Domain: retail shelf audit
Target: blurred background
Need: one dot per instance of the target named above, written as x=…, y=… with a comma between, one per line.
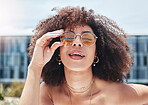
x=19, y=17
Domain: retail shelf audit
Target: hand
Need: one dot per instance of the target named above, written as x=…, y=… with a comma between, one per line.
x=42, y=53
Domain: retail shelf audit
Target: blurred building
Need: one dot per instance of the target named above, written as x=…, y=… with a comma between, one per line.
x=139, y=71
x=13, y=57
x=14, y=60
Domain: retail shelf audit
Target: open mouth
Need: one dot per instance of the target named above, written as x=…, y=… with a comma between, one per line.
x=76, y=55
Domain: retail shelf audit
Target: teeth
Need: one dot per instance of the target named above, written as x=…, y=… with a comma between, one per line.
x=76, y=54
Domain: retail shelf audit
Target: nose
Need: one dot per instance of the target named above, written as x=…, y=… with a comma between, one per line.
x=77, y=42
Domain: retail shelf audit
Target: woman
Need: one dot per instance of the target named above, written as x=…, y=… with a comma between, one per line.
x=82, y=58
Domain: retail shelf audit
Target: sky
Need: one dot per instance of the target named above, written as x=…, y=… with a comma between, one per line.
x=20, y=17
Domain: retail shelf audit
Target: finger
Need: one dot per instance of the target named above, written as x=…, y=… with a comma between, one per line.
x=46, y=38
x=43, y=43
x=57, y=31
x=55, y=46
x=51, y=35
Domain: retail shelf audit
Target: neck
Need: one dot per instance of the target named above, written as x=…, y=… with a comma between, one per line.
x=79, y=79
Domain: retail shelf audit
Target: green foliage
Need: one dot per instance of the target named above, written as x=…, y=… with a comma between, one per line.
x=15, y=89
x=1, y=97
x=1, y=92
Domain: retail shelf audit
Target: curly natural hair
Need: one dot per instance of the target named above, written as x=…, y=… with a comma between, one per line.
x=111, y=47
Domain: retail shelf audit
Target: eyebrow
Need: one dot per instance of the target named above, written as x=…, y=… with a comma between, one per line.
x=81, y=33
x=86, y=32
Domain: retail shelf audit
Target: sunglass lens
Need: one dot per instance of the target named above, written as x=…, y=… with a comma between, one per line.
x=88, y=39
x=67, y=38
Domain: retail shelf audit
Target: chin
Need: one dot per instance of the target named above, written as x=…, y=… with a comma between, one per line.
x=78, y=67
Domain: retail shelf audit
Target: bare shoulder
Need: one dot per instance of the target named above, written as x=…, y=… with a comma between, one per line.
x=44, y=88
x=132, y=94
x=125, y=94
x=139, y=88
x=121, y=92
x=45, y=94
x=125, y=89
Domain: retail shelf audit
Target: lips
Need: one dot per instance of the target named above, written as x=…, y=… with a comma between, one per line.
x=76, y=54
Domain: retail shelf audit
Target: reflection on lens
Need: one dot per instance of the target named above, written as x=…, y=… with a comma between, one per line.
x=88, y=39
x=67, y=42
x=67, y=38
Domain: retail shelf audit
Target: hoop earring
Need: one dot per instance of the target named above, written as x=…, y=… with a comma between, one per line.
x=96, y=60
x=58, y=58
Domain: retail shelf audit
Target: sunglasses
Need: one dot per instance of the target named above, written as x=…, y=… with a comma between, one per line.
x=87, y=38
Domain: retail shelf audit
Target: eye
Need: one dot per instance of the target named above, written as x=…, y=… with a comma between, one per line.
x=87, y=39
x=68, y=38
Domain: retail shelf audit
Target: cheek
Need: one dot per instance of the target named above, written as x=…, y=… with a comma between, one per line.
x=63, y=53
x=92, y=51
x=91, y=55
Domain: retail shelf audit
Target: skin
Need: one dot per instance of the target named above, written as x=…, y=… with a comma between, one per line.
x=78, y=74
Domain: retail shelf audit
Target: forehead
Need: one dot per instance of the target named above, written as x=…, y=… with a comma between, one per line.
x=79, y=28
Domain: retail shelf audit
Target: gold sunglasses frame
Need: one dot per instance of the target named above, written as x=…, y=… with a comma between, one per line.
x=75, y=35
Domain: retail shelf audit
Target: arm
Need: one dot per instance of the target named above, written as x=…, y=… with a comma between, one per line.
x=30, y=94
x=41, y=55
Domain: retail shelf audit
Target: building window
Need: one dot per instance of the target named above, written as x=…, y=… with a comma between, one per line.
x=141, y=74
x=7, y=60
x=12, y=47
x=138, y=60
x=22, y=59
x=141, y=46
x=11, y=73
x=145, y=60
x=1, y=73
x=21, y=74
x=18, y=46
